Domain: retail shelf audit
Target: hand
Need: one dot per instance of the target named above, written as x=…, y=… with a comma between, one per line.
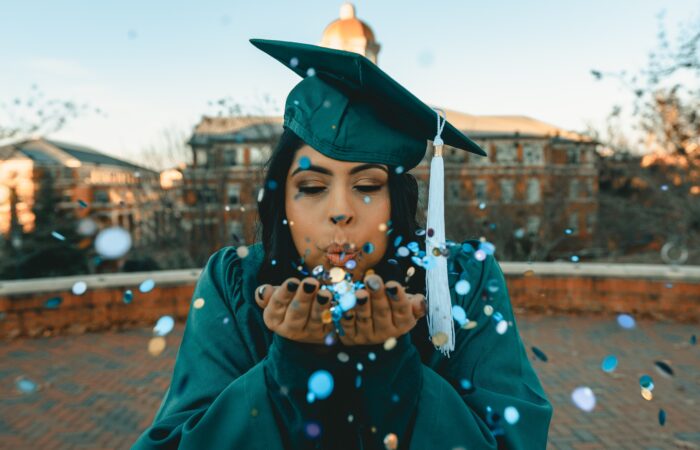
x=292, y=312
x=385, y=312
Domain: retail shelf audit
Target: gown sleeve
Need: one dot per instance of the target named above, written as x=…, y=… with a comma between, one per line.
x=487, y=379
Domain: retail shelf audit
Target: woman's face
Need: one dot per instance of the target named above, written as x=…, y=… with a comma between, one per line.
x=331, y=202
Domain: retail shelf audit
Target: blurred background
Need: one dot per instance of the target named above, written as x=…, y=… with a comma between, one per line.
x=132, y=144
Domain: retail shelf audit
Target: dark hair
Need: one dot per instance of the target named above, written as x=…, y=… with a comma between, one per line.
x=277, y=239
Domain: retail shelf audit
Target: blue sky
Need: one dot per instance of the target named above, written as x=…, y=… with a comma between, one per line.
x=156, y=64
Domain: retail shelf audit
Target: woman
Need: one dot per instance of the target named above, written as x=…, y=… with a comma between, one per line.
x=310, y=339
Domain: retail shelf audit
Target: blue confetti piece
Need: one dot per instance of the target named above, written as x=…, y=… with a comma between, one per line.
x=58, y=236
x=53, y=302
x=539, y=354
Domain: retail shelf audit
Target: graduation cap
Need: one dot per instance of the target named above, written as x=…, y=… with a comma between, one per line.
x=349, y=109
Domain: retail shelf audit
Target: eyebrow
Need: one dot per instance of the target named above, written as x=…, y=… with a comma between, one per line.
x=353, y=171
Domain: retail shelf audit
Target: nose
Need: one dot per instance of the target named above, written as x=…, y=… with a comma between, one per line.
x=341, y=211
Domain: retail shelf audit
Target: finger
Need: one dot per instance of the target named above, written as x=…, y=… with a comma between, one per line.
x=363, y=313
x=381, y=311
x=401, y=313
x=299, y=308
x=319, y=305
x=418, y=305
x=348, y=324
x=280, y=299
x=263, y=293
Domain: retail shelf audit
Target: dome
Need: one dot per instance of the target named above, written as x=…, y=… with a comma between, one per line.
x=351, y=34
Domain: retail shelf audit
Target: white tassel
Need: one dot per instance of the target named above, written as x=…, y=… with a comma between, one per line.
x=440, y=323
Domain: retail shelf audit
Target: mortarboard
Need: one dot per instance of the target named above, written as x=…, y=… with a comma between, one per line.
x=349, y=109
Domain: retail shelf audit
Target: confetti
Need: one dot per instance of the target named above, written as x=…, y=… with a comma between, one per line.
x=311, y=72
x=647, y=395
x=26, y=386
x=113, y=242
x=662, y=417
x=312, y=430
x=493, y=286
x=156, y=345
x=58, y=236
x=242, y=251
x=350, y=264
x=479, y=255
x=147, y=286
x=528, y=273
x=459, y=315
x=294, y=62
x=199, y=303
x=626, y=321
x=128, y=296
x=439, y=338
x=663, y=368
x=609, y=363
x=79, y=288
x=337, y=274
x=368, y=248
x=86, y=227
x=320, y=384
x=488, y=310
x=511, y=415
x=343, y=357
x=164, y=326
x=501, y=327
x=469, y=325
x=462, y=287
x=646, y=382
x=326, y=316
x=53, y=302
x=584, y=398
x=390, y=343
x=391, y=441
x=539, y=354
x=82, y=204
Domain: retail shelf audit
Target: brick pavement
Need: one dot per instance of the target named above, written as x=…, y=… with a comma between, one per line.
x=100, y=390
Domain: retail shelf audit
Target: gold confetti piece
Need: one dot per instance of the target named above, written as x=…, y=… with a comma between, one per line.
x=391, y=441
x=337, y=274
x=469, y=325
x=242, y=251
x=198, y=303
x=439, y=338
x=390, y=343
x=528, y=273
x=156, y=345
x=646, y=394
x=373, y=429
x=382, y=227
x=326, y=316
x=291, y=223
x=488, y=310
x=254, y=412
x=411, y=270
x=436, y=252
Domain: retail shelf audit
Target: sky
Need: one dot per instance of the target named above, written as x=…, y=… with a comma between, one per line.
x=156, y=65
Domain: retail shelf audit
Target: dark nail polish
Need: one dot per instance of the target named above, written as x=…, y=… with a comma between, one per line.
x=392, y=292
x=348, y=316
x=361, y=300
x=261, y=292
x=309, y=287
x=322, y=299
x=292, y=286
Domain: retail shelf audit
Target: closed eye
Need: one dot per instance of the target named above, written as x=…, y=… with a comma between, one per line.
x=313, y=190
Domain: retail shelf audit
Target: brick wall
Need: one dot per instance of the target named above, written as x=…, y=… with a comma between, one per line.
x=657, y=292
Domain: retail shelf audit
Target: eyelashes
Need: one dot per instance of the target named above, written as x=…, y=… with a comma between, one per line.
x=308, y=190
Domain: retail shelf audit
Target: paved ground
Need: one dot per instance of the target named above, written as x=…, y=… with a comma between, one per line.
x=101, y=390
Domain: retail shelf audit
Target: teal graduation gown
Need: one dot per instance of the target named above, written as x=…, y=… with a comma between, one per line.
x=236, y=385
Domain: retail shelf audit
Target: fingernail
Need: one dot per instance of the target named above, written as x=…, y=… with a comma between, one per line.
x=309, y=287
x=261, y=292
x=322, y=299
x=373, y=284
x=391, y=291
x=361, y=300
x=292, y=286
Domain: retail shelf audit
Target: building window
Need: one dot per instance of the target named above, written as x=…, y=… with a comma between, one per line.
x=234, y=194
x=206, y=195
x=507, y=153
x=573, y=222
x=573, y=189
x=507, y=191
x=101, y=196
x=480, y=190
x=533, y=225
x=533, y=154
x=454, y=188
x=590, y=223
x=533, y=190
x=589, y=188
x=230, y=153
x=202, y=157
x=572, y=156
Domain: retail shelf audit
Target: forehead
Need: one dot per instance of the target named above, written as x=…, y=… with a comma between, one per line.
x=319, y=159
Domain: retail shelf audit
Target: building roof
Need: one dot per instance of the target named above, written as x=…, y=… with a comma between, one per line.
x=347, y=28
x=239, y=129
x=490, y=126
x=46, y=151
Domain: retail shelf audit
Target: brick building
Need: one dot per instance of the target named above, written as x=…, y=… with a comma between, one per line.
x=541, y=178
